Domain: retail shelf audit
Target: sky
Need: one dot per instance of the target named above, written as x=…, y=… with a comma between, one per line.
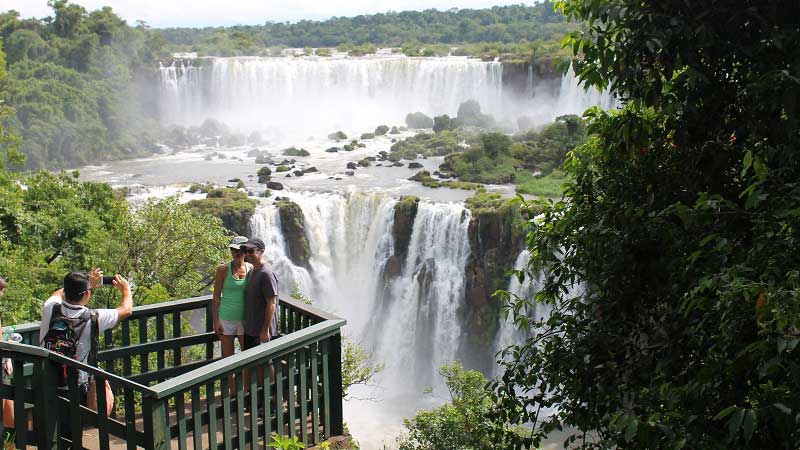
x=200, y=13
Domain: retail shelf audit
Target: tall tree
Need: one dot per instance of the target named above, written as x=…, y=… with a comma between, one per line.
x=672, y=263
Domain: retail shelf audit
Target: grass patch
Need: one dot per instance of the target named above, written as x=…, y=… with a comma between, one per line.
x=551, y=185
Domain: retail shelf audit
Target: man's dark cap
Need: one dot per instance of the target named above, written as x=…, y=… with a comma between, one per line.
x=255, y=243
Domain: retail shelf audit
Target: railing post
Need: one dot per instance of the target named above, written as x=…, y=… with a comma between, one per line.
x=335, y=373
x=45, y=404
x=156, y=428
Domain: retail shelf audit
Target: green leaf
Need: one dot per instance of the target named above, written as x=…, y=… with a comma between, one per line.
x=748, y=161
x=762, y=171
x=725, y=412
x=782, y=408
x=735, y=422
x=630, y=431
x=749, y=424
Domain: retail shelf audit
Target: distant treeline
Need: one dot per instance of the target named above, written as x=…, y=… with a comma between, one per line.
x=500, y=24
x=72, y=80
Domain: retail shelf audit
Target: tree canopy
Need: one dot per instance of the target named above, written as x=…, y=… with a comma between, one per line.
x=497, y=24
x=672, y=262
x=74, y=82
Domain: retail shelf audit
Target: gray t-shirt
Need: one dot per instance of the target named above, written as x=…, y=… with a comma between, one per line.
x=261, y=285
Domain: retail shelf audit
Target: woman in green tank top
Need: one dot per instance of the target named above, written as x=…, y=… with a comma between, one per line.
x=227, y=304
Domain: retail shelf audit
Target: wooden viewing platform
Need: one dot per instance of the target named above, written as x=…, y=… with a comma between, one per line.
x=161, y=368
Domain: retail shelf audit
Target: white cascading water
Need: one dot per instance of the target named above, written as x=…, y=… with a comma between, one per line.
x=280, y=95
x=508, y=334
x=410, y=320
x=574, y=99
x=292, y=98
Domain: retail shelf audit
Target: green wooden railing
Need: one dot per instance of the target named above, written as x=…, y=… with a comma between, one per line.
x=170, y=390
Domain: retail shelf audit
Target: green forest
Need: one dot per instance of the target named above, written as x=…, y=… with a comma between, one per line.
x=75, y=83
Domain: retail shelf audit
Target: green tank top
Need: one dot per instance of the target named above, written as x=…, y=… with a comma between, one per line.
x=231, y=306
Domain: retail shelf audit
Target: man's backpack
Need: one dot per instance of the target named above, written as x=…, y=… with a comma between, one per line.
x=64, y=333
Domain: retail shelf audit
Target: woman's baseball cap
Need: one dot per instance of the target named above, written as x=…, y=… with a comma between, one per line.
x=236, y=243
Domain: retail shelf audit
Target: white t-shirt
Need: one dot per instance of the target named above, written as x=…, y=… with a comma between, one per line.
x=106, y=319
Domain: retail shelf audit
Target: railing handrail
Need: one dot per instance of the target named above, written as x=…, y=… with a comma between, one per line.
x=297, y=339
x=184, y=304
x=25, y=327
x=329, y=326
x=188, y=304
x=32, y=350
x=305, y=307
x=96, y=371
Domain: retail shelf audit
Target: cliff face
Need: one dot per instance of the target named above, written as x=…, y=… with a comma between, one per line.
x=405, y=212
x=495, y=245
x=532, y=77
x=495, y=242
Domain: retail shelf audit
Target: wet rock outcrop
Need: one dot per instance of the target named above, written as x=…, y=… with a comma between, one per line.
x=294, y=232
x=405, y=212
x=496, y=239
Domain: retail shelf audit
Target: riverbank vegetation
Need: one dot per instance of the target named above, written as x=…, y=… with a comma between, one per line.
x=230, y=205
x=529, y=159
x=51, y=224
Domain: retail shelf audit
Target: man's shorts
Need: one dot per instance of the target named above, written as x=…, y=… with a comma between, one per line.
x=251, y=341
x=232, y=327
x=254, y=341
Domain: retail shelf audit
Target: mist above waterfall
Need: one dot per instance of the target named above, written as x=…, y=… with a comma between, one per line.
x=287, y=99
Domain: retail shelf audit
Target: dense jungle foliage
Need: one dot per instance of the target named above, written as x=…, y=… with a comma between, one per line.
x=672, y=262
x=74, y=81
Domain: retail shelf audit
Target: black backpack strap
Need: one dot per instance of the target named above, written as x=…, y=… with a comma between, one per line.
x=92, y=358
x=56, y=309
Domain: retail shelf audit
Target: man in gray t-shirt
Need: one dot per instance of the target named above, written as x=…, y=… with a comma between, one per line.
x=260, y=297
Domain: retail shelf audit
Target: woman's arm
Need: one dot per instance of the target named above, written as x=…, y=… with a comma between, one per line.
x=219, y=280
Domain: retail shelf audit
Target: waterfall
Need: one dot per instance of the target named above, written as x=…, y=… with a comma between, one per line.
x=409, y=320
x=422, y=329
x=509, y=334
x=574, y=99
x=290, y=98
x=324, y=94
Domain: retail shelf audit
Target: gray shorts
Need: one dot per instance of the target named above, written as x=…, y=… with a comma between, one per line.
x=232, y=327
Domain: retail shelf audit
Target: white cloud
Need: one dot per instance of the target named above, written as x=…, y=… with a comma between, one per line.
x=197, y=13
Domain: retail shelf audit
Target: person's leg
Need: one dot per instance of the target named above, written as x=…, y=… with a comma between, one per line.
x=226, y=341
x=248, y=342
x=242, y=347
